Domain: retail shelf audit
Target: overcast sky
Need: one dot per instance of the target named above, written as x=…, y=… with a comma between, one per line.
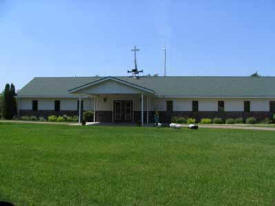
x=86, y=38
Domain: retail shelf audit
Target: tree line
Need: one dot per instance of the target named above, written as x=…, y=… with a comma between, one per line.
x=8, y=106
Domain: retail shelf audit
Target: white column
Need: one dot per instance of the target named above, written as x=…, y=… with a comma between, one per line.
x=94, y=107
x=142, y=109
x=147, y=107
x=79, y=110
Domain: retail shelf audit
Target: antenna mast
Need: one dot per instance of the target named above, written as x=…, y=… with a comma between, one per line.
x=164, y=63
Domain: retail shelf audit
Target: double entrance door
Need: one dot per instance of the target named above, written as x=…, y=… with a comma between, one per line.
x=123, y=110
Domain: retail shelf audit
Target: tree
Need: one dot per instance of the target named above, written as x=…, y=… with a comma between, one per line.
x=1, y=105
x=6, y=93
x=9, y=102
x=13, y=107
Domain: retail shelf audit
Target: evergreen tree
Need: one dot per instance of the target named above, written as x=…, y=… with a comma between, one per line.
x=1, y=105
x=13, y=106
x=9, y=102
x=6, y=98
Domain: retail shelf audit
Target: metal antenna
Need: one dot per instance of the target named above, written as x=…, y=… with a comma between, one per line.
x=164, y=63
x=135, y=56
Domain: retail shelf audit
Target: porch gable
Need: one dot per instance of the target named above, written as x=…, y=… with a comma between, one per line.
x=110, y=85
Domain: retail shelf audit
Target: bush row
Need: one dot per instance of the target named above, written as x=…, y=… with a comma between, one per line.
x=216, y=120
x=51, y=118
x=87, y=117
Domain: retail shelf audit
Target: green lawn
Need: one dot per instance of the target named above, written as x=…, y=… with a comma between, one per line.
x=65, y=165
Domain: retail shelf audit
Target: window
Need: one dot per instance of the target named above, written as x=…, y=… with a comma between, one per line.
x=272, y=106
x=34, y=105
x=246, y=106
x=221, y=106
x=195, y=106
x=57, y=105
x=169, y=106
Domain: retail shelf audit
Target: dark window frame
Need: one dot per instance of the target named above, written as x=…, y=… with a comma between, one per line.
x=272, y=106
x=247, y=106
x=221, y=106
x=169, y=106
x=57, y=104
x=34, y=105
x=195, y=106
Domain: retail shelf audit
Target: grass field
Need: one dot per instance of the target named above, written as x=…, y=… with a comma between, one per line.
x=65, y=165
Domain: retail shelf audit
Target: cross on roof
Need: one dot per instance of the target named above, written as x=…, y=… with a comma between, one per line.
x=135, y=71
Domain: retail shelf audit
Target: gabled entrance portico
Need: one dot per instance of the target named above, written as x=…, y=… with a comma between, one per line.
x=115, y=100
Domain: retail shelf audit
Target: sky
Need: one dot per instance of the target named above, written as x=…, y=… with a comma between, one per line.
x=86, y=38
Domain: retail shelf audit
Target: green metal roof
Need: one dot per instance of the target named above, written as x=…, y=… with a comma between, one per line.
x=172, y=86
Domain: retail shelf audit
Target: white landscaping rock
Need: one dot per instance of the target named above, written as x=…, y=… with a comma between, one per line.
x=176, y=126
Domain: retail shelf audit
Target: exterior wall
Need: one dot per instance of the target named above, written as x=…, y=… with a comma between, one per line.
x=159, y=105
x=45, y=104
x=208, y=105
x=25, y=104
x=233, y=105
x=68, y=104
x=259, y=105
x=181, y=107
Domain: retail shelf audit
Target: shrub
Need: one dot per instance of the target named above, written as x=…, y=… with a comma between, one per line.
x=273, y=118
x=33, y=118
x=52, y=118
x=229, y=121
x=217, y=120
x=60, y=119
x=266, y=121
x=179, y=120
x=25, y=118
x=65, y=117
x=14, y=117
x=239, y=120
x=250, y=120
x=68, y=118
x=206, y=121
x=42, y=119
x=75, y=118
x=191, y=121
x=88, y=116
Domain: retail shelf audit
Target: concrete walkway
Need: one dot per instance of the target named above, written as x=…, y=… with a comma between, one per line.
x=226, y=126
x=213, y=126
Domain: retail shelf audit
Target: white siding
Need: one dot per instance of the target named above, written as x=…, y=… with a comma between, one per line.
x=110, y=87
x=45, y=104
x=234, y=105
x=159, y=105
x=25, y=104
x=182, y=105
x=155, y=104
x=208, y=105
x=88, y=104
x=68, y=104
x=259, y=105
